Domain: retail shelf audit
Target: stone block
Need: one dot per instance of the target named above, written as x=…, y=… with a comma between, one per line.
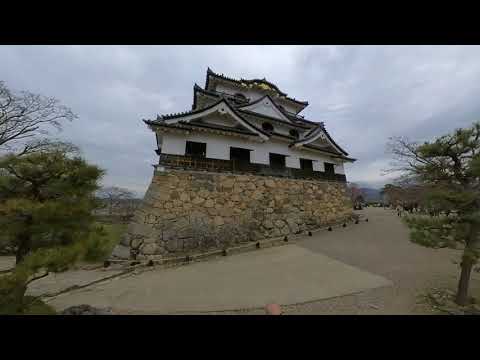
x=209, y=203
x=198, y=200
x=279, y=223
x=270, y=183
x=268, y=224
x=149, y=249
x=228, y=184
x=121, y=252
x=173, y=245
x=218, y=221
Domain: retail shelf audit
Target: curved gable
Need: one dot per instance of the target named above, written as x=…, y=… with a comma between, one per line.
x=318, y=136
x=221, y=107
x=266, y=106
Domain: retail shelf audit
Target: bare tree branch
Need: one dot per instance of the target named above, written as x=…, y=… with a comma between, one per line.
x=115, y=197
x=26, y=116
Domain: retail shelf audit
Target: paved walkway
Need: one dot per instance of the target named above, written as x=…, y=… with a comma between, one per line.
x=382, y=246
x=286, y=275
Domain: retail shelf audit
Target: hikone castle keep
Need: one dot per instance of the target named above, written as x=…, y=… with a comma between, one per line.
x=241, y=166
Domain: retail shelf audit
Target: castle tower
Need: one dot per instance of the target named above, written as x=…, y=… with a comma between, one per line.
x=241, y=166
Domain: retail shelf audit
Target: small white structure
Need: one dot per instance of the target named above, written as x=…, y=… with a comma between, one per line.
x=247, y=126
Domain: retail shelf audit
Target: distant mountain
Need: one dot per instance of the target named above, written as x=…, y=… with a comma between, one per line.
x=371, y=194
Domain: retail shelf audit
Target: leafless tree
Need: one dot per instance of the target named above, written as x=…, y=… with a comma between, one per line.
x=355, y=193
x=117, y=198
x=25, y=117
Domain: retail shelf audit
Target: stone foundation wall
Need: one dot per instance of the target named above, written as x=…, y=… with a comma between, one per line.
x=187, y=212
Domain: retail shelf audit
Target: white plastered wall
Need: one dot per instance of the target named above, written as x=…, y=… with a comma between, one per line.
x=339, y=169
x=173, y=144
x=218, y=147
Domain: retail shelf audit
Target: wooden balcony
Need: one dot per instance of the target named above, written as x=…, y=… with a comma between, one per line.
x=240, y=167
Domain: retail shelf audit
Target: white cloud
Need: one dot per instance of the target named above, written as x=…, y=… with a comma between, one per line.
x=364, y=94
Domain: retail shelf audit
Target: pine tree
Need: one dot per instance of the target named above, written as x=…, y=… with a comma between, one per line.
x=46, y=214
x=46, y=198
x=449, y=170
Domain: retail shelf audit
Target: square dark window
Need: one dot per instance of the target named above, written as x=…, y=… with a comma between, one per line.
x=306, y=164
x=329, y=168
x=196, y=149
x=240, y=155
x=277, y=161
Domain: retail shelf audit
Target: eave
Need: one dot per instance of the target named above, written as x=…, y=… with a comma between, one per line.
x=314, y=134
x=228, y=109
x=188, y=127
x=330, y=153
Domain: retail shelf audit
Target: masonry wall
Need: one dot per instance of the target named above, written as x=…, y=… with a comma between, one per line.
x=187, y=212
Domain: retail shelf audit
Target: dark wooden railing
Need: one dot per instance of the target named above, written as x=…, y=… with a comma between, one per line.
x=241, y=167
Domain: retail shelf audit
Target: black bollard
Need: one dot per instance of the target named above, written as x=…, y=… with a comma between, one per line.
x=356, y=221
x=344, y=225
x=106, y=263
x=366, y=220
x=224, y=252
x=330, y=228
x=285, y=239
x=150, y=263
x=257, y=245
x=309, y=233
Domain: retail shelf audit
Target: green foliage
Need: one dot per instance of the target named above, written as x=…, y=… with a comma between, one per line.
x=435, y=232
x=46, y=211
x=449, y=170
x=14, y=285
x=96, y=247
x=98, y=244
x=47, y=199
x=105, y=244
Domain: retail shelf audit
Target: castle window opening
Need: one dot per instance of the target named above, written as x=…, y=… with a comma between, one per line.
x=277, y=161
x=240, y=155
x=329, y=168
x=306, y=164
x=196, y=149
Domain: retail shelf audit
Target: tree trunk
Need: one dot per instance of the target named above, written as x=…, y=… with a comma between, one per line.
x=462, y=292
x=24, y=241
x=472, y=244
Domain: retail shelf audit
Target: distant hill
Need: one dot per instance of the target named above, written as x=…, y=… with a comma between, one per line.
x=371, y=194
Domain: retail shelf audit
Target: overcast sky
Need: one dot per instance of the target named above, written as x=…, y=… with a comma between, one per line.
x=363, y=94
